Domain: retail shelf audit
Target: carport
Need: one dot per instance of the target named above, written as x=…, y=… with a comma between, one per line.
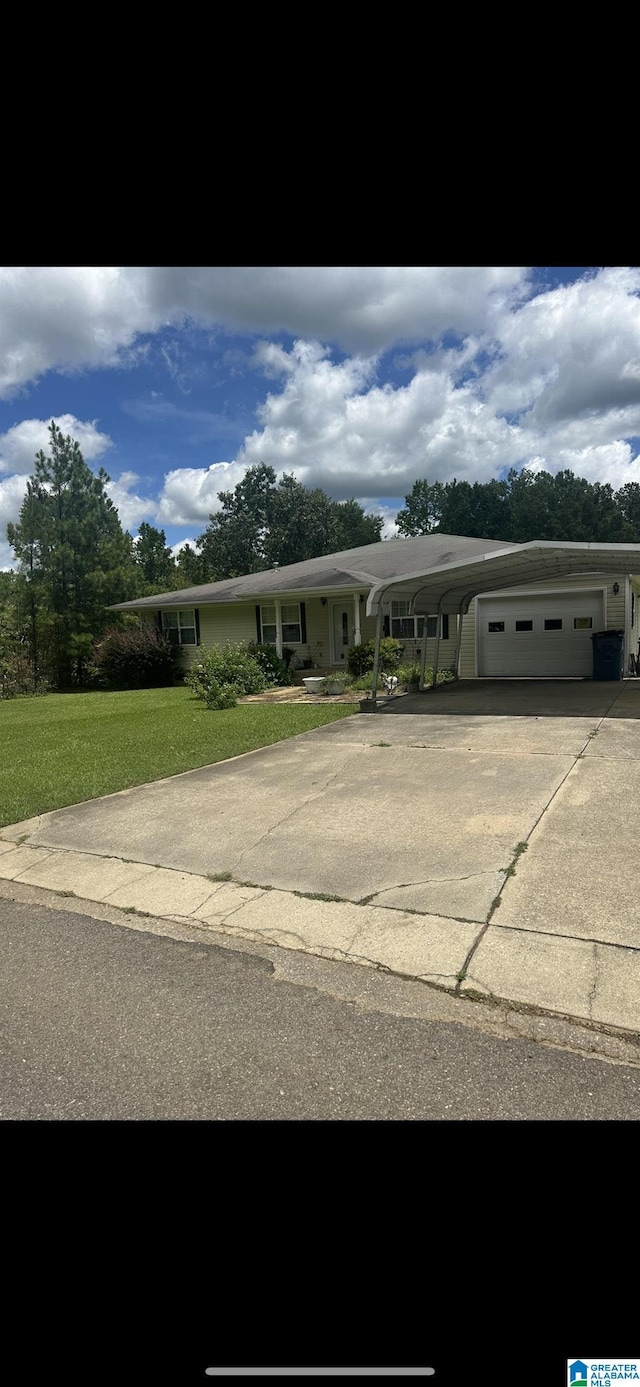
x=451, y=587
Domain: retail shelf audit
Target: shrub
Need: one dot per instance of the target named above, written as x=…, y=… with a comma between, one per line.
x=409, y=674
x=214, y=694
x=136, y=658
x=16, y=675
x=225, y=672
x=275, y=670
x=360, y=657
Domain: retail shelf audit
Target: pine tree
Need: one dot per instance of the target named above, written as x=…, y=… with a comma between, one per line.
x=75, y=559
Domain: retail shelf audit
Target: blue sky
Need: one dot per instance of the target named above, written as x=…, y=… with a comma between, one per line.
x=357, y=379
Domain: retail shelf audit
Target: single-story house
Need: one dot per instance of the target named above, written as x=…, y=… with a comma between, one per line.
x=487, y=608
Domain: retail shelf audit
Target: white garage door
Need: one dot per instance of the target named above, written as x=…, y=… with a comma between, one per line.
x=545, y=634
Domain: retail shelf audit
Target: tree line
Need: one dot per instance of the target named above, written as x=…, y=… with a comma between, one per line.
x=74, y=558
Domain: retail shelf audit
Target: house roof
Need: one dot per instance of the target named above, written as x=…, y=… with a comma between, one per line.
x=348, y=569
x=453, y=583
x=428, y=569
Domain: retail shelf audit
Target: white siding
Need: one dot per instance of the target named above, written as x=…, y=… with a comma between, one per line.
x=614, y=614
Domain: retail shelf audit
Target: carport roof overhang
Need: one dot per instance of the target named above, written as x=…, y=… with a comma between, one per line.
x=451, y=587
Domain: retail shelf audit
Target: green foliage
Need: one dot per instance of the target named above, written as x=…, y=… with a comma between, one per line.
x=262, y=523
x=526, y=505
x=191, y=569
x=155, y=561
x=360, y=657
x=136, y=658
x=409, y=673
x=224, y=673
x=74, y=560
x=423, y=509
x=276, y=671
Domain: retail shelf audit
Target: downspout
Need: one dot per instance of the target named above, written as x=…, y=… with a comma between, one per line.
x=627, y=625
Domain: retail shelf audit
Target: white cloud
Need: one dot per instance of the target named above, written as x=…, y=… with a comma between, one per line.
x=190, y=494
x=71, y=319
x=131, y=507
x=12, y=490
x=571, y=357
x=19, y=445
x=335, y=428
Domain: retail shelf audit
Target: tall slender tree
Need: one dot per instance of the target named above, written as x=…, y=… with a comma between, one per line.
x=74, y=558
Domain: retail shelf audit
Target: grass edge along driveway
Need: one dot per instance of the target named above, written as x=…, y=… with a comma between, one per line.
x=63, y=748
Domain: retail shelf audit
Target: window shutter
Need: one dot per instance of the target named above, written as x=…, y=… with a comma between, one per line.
x=258, y=626
x=386, y=626
x=159, y=620
x=197, y=616
x=303, y=624
x=445, y=626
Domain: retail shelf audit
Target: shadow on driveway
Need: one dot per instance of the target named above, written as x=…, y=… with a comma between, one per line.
x=547, y=698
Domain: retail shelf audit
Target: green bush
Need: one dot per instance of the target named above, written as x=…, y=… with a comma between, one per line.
x=275, y=670
x=16, y=674
x=224, y=673
x=136, y=658
x=360, y=657
x=409, y=674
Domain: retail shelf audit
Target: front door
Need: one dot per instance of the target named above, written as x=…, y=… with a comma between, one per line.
x=341, y=631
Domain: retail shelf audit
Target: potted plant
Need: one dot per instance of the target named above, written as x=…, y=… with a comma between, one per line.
x=409, y=675
x=333, y=684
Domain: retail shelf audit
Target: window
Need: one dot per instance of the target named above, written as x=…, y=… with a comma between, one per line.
x=553, y=623
x=291, y=624
x=524, y=626
x=582, y=623
x=411, y=628
x=403, y=626
x=180, y=627
x=496, y=626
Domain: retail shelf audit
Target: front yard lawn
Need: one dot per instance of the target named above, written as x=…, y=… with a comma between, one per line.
x=63, y=748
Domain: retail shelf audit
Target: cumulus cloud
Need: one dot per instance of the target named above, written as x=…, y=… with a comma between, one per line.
x=71, y=319
x=190, y=494
x=12, y=490
x=19, y=445
x=334, y=427
x=571, y=357
x=131, y=507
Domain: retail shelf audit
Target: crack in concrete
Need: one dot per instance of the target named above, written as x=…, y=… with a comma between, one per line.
x=592, y=990
x=48, y=852
x=579, y=938
x=296, y=809
x=427, y=881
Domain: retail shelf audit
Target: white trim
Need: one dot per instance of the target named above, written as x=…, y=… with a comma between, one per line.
x=335, y=662
x=181, y=626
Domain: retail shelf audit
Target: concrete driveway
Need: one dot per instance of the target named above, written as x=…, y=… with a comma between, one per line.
x=480, y=836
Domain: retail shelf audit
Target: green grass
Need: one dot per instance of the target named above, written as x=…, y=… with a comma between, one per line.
x=64, y=748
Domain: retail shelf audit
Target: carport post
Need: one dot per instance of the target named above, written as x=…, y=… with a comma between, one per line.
x=376, y=654
x=458, y=642
x=437, y=649
x=423, y=657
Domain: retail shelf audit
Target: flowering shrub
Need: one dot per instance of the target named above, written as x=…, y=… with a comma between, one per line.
x=223, y=673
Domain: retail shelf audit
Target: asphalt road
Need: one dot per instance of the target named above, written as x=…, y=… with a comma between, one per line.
x=101, y=1021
